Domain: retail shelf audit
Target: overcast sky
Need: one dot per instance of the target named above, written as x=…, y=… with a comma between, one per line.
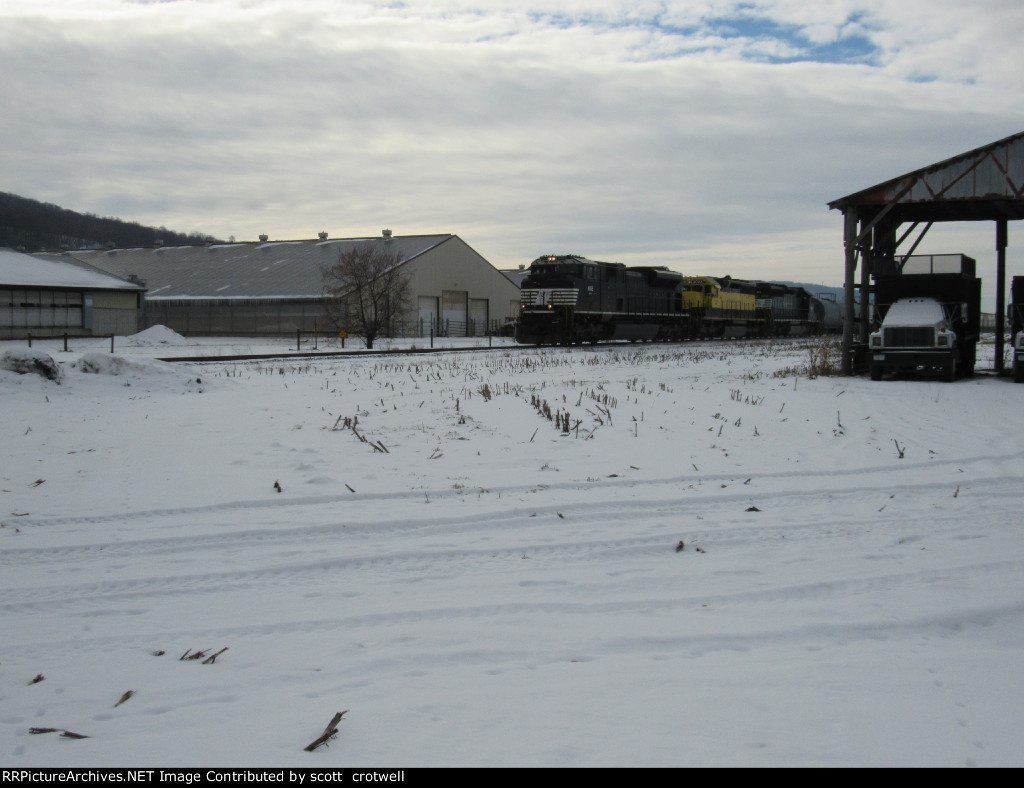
x=705, y=135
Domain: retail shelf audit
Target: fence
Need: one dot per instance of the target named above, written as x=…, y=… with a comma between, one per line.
x=461, y=328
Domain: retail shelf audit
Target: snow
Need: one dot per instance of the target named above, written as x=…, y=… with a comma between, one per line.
x=915, y=312
x=475, y=587
x=22, y=270
x=157, y=335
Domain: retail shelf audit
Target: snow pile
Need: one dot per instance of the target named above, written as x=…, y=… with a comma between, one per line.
x=26, y=360
x=106, y=364
x=151, y=373
x=156, y=335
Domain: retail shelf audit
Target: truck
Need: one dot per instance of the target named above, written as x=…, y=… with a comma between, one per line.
x=927, y=317
x=1016, y=316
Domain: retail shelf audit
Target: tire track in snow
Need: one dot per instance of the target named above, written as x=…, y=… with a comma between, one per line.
x=351, y=571
x=765, y=632
x=835, y=474
x=705, y=498
x=663, y=516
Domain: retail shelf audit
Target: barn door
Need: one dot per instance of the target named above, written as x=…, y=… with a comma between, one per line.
x=478, y=316
x=453, y=312
x=427, y=315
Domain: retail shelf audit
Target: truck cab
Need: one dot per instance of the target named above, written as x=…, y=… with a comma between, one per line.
x=916, y=334
x=927, y=316
x=1016, y=316
x=1018, y=357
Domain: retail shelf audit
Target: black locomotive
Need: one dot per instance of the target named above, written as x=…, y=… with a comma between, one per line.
x=569, y=299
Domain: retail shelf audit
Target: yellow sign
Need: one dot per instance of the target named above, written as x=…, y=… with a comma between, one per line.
x=342, y=334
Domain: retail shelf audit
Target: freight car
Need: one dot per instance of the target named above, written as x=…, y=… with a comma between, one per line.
x=826, y=314
x=570, y=299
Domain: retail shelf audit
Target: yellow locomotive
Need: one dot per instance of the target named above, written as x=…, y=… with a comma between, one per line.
x=724, y=307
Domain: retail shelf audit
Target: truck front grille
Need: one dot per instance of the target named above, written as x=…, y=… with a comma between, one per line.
x=910, y=336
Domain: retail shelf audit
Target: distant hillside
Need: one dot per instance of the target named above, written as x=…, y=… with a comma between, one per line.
x=33, y=226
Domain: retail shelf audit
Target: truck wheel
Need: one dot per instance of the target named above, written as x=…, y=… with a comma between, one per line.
x=876, y=372
x=951, y=370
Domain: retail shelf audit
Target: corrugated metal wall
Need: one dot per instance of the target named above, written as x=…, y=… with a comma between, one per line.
x=242, y=316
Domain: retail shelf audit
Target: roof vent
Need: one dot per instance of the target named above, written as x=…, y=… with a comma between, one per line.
x=322, y=235
x=387, y=235
x=264, y=238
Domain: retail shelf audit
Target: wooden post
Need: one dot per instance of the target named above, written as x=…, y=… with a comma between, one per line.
x=1000, y=292
x=849, y=242
x=867, y=268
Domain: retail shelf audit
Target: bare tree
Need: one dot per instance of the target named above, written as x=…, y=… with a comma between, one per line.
x=368, y=291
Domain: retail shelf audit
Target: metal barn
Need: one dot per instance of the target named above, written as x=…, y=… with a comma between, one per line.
x=47, y=298
x=275, y=287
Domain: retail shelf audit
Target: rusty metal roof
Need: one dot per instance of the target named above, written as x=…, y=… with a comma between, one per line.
x=983, y=184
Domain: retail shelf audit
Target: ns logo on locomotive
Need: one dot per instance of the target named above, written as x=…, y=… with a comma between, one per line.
x=568, y=299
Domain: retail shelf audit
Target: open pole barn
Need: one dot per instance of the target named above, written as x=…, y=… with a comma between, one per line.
x=885, y=223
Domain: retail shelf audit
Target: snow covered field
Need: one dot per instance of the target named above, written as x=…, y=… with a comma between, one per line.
x=695, y=561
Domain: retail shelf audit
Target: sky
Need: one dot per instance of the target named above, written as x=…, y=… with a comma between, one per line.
x=707, y=136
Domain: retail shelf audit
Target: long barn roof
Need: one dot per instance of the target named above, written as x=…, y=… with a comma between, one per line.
x=986, y=183
x=274, y=270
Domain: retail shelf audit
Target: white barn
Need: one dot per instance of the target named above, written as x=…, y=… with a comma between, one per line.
x=47, y=298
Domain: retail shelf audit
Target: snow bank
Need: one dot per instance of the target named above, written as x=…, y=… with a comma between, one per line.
x=26, y=360
x=148, y=371
x=105, y=364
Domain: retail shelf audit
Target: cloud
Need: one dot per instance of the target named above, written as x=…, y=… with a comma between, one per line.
x=676, y=132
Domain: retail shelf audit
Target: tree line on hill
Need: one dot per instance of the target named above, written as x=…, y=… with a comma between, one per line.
x=31, y=226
